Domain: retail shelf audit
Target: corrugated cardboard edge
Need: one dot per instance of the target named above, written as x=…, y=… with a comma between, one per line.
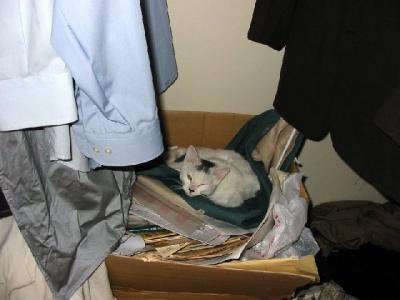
x=130, y=294
x=275, y=278
x=304, y=266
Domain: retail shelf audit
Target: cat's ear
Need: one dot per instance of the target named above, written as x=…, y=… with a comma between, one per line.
x=219, y=173
x=192, y=156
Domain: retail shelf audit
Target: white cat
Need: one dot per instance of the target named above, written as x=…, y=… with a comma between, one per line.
x=223, y=176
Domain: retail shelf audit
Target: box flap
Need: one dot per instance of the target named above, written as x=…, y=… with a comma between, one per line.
x=130, y=272
x=208, y=129
x=304, y=266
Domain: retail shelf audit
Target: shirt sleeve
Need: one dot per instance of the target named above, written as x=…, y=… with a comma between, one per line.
x=271, y=22
x=103, y=44
x=35, y=85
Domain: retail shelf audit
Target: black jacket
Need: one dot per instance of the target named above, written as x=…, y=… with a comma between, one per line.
x=339, y=73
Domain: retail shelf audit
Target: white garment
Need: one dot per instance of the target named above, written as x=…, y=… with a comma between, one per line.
x=60, y=141
x=21, y=279
x=35, y=86
x=63, y=148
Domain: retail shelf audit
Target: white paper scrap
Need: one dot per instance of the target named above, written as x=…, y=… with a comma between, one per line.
x=130, y=244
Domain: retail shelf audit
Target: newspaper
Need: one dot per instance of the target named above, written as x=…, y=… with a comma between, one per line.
x=155, y=203
x=192, y=236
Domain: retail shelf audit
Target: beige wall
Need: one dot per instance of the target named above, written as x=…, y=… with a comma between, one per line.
x=221, y=70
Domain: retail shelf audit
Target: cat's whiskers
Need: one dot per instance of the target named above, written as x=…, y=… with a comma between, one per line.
x=176, y=187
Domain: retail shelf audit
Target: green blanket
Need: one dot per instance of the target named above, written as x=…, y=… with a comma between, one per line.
x=253, y=210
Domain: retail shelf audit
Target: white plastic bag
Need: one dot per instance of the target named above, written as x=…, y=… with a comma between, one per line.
x=288, y=236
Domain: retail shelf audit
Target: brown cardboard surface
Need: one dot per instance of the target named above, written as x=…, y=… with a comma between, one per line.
x=129, y=294
x=130, y=272
x=182, y=129
x=133, y=278
x=215, y=130
x=305, y=266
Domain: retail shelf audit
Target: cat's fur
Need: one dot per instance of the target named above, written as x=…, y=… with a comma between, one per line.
x=223, y=176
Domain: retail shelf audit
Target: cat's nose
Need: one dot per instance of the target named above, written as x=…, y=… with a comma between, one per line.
x=190, y=190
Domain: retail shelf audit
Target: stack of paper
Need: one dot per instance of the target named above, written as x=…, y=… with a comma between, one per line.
x=189, y=235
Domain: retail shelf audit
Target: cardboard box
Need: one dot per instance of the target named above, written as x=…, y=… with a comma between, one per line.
x=133, y=278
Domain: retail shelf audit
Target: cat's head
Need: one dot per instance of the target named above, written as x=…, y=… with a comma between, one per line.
x=200, y=176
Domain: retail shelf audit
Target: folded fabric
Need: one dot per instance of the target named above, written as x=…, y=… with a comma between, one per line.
x=350, y=224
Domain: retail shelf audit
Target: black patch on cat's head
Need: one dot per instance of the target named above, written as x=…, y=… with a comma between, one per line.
x=205, y=165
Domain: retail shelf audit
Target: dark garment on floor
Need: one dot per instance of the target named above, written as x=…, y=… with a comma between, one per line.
x=341, y=67
x=369, y=273
x=360, y=247
x=325, y=291
x=350, y=224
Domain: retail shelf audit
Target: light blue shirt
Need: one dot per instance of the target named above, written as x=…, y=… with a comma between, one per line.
x=103, y=44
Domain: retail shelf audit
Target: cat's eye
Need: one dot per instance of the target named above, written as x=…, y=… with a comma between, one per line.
x=189, y=177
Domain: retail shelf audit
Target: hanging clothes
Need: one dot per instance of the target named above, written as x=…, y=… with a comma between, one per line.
x=159, y=41
x=388, y=115
x=70, y=220
x=103, y=44
x=63, y=148
x=35, y=85
x=341, y=65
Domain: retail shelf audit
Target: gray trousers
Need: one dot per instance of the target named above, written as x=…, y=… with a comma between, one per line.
x=69, y=219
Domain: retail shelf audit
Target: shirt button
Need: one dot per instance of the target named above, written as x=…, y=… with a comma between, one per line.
x=108, y=151
x=96, y=150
